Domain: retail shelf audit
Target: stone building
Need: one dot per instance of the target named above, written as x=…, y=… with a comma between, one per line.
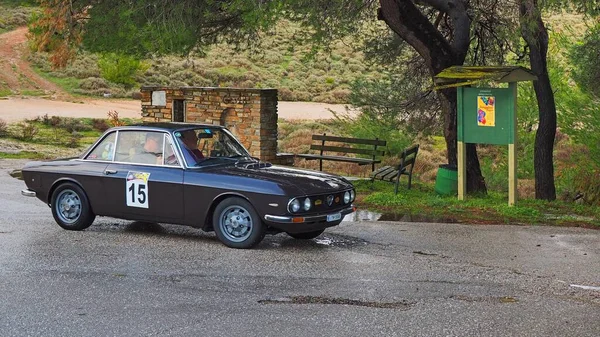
x=250, y=114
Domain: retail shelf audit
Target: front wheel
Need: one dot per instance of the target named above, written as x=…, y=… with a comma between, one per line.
x=307, y=235
x=71, y=208
x=236, y=223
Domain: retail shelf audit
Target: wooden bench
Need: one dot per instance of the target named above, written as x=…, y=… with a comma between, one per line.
x=340, y=145
x=392, y=173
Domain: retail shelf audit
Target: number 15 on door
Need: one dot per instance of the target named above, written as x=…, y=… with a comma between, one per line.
x=136, y=189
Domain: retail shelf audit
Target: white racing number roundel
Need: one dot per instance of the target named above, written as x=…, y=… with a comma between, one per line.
x=136, y=189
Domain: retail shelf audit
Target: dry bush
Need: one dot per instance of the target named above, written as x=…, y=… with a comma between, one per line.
x=93, y=83
x=286, y=94
x=84, y=66
x=3, y=128
x=113, y=118
x=341, y=95
x=526, y=188
x=27, y=130
x=100, y=124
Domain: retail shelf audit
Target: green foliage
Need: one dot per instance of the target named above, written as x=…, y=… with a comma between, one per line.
x=363, y=126
x=296, y=77
x=121, y=69
x=5, y=92
x=398, y=101
x=584, y=56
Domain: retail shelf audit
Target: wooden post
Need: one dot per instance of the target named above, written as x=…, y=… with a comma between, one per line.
x=512, y=151
x=462, y=170
x=321, y=153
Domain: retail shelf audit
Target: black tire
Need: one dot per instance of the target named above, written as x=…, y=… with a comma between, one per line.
x=71, y=207
x=236, y=223
x=307, y=235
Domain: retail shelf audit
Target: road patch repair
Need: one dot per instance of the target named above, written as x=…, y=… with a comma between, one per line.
x=401, y=305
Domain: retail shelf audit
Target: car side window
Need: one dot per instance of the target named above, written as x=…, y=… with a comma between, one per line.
x=105, y=150
x=140, y=147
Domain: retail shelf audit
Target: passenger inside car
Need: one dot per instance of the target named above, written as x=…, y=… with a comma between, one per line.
x=152, y=151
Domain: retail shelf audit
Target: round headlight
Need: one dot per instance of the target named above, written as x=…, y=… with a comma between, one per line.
x=307, y=204
x=346, y=197
x=294, y=205
x=352, y=195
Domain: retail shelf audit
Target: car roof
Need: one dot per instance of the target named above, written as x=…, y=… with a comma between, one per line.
x=166, y=126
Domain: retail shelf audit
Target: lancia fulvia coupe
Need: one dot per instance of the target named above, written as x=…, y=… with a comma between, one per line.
x=188, y=174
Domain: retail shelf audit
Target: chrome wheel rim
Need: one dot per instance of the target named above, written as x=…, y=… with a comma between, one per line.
x=68, y=206
x=235, y=223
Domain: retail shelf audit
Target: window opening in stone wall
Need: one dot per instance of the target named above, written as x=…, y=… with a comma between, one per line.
x=178, y=110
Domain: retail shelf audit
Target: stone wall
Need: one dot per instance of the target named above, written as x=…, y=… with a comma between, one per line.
x=250, y=114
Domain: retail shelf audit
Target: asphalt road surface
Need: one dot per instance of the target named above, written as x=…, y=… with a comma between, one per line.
x=363, y=278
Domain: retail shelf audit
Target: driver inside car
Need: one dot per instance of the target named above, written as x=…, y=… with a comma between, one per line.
x=190, y=140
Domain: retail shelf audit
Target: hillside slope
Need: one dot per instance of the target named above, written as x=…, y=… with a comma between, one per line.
x=16, y=74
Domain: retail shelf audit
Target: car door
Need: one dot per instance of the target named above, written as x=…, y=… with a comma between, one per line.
x=139, y=190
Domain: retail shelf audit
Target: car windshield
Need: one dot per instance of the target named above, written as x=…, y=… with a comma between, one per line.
x=210, y=146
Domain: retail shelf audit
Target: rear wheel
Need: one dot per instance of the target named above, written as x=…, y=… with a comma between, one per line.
x=71, y=208
x=237, y=224
x=307, y=235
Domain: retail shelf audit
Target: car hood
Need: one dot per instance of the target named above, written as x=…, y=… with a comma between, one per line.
x=305, y=181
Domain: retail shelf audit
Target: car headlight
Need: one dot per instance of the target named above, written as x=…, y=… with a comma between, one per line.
x=294, y=206
x=346, y=197
x=307, y=204
x=352, y=195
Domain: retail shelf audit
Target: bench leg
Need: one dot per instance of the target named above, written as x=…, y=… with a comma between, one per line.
x=320, y=164
x=397, y=182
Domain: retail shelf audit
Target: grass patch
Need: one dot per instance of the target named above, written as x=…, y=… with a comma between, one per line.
x=5, y=92
x=421, y=200
x=67, y=83
x=33, y=92
x=24, y=155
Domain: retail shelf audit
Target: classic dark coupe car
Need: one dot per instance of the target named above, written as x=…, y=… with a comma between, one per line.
x=194, y=175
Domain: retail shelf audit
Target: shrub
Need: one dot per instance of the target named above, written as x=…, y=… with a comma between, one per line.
x=73, y=140
x=93, y=83
x=120, y=69
x=72, y=125
x=113, y=118
x=84, y=66
x=100, y=124
x=3, y=128
x=27, y=131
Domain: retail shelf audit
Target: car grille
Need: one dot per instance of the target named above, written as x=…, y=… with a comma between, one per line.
x=320, y=202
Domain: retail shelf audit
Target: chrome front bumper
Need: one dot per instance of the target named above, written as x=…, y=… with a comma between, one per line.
x=28, y=193
x=306, y=219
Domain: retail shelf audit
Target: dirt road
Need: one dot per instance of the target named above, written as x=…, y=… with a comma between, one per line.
x=15, y=109
x=15, y=71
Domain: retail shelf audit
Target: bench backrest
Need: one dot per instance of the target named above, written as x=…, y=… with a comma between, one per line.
x=374, y=151
x=409, y=156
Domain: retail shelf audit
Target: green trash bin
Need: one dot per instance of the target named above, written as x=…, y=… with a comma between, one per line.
x=446, y=181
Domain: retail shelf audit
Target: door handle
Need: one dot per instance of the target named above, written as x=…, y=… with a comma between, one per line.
x=107, y=172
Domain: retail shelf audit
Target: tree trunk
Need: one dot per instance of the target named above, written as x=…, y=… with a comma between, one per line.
x=475, y=180
x=407, y=20
x=536, y=36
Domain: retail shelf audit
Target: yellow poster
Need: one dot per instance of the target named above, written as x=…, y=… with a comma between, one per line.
x=486, y=111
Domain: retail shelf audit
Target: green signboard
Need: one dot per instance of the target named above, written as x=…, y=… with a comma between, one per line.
x=486, y=115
